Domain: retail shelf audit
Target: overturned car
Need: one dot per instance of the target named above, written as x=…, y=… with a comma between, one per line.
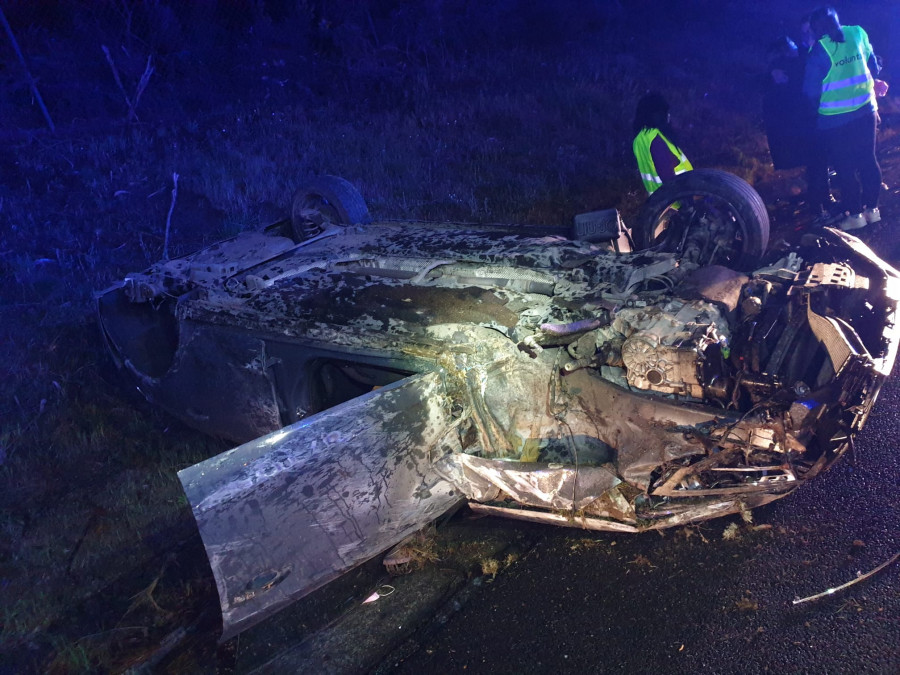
x=379, y=373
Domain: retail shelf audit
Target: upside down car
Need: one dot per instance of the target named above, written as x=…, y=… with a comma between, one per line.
x=377, y=374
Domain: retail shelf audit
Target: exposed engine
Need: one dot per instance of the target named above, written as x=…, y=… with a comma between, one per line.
x=765, y=335
x=665, y=347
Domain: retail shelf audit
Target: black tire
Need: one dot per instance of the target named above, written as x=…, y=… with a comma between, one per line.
x=708, y=216
x=326, y=200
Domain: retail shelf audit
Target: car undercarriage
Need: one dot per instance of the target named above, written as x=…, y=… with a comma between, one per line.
x=378, y=374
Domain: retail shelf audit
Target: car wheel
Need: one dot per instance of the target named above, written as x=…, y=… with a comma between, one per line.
x=706, y=217
x=326, y=200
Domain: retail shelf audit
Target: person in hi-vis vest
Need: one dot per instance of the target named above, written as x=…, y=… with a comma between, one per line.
x=658, y=157
x=841, y=86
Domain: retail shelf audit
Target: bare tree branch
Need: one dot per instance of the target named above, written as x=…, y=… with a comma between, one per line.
x=142, y=84
x=169, y=217
x=31, y=81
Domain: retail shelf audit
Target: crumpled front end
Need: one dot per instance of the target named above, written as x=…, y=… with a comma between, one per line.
x=688, y=409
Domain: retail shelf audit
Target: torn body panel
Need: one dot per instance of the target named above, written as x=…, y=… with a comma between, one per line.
x=288, y=512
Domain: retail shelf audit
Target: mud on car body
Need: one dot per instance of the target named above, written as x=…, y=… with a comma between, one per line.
x=379, y=373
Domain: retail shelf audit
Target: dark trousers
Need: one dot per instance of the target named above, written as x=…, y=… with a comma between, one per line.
x=818, y=190
x=851, y=149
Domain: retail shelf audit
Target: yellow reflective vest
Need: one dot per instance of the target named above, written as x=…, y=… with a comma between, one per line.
x=649, y=174
x=849, y=84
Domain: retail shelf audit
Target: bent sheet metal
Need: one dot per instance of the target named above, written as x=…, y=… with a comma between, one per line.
x=286, y=513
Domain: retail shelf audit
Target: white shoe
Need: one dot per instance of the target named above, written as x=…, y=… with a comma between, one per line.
x=853, y=222
x=872, y=215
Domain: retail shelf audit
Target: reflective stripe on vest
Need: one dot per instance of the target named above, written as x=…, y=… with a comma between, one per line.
x=641, y=147
x=849, y=84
